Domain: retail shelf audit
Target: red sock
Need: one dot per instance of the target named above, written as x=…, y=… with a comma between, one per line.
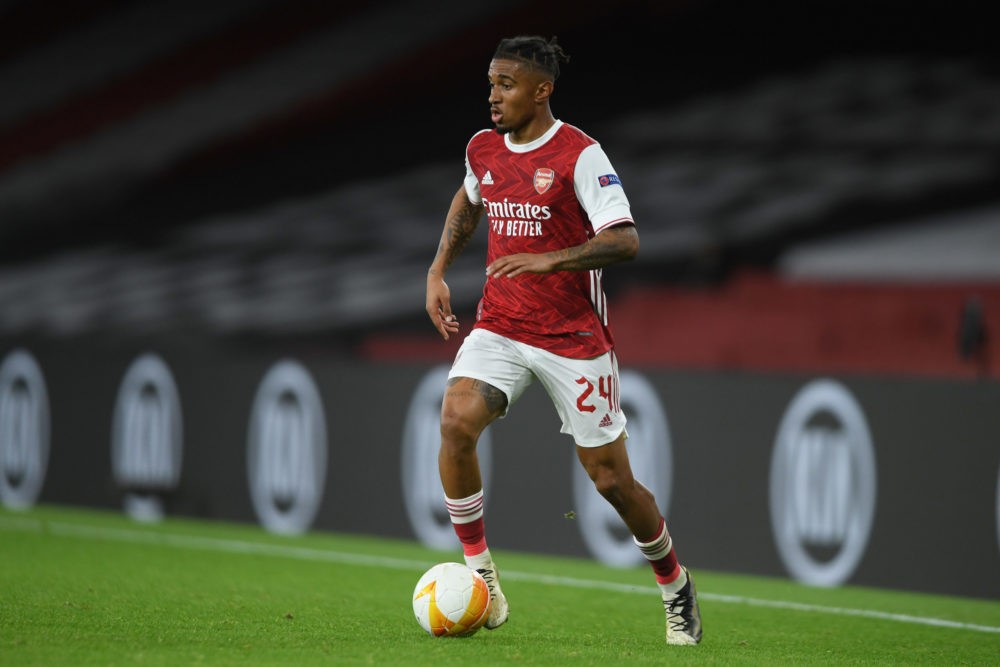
x=467, y=520
x=659, y=551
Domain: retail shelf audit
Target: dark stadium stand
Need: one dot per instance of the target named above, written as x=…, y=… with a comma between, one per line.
x=222, y=170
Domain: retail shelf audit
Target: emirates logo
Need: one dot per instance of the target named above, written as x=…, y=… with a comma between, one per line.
x=544, y=178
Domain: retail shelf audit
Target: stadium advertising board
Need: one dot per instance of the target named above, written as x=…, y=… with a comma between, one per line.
x=24, y=429
x=147, y=436
x=287, y=449
x=825, y=480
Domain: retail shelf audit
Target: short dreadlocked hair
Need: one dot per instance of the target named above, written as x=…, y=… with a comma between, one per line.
x=535, y=51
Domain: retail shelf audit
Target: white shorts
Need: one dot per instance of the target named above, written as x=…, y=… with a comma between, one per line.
x=584, y=391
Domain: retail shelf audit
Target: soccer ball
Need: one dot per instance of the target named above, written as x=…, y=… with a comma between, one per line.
x=451, y=600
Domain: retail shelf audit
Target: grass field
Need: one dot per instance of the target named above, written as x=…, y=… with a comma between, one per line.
x=82, y=587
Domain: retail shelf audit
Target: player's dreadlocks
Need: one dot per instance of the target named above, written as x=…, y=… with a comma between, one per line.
x=535, y=51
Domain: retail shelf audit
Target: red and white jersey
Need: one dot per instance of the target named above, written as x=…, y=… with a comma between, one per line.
x=552, y=193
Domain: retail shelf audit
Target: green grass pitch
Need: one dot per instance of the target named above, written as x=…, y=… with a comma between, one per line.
x=80, y=587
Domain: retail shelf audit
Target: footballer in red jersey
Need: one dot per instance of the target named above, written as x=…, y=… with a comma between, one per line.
x=555, y=192
x=557, y=216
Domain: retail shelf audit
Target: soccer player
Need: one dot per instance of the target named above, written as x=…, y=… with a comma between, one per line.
x=557, y=216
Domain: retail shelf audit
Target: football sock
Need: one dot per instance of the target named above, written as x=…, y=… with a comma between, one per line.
x=480, y=561
x=467, y=520
x=659, y=551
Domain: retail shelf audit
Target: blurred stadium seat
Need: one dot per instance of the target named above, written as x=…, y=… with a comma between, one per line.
x=123, y=207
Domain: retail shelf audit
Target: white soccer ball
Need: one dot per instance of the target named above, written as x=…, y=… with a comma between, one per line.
x=451, y=600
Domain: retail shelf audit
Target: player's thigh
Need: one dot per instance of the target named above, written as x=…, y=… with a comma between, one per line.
x=489, y=371
x=471, y=404
x=585, y=393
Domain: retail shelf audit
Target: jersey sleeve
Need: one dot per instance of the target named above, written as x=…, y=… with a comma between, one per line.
x=472, y=184
x=599, y=190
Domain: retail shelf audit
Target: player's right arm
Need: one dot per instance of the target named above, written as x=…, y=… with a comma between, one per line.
x=463, y=217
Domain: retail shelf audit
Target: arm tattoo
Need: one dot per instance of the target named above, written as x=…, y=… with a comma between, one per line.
x=458, y=230
x=616, y=244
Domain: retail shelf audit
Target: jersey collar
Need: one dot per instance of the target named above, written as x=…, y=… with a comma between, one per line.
x=536, y=143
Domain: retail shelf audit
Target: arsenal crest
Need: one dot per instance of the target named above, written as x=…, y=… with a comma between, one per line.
x=543, y=179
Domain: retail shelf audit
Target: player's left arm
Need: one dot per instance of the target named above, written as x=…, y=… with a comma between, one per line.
x=614, y=244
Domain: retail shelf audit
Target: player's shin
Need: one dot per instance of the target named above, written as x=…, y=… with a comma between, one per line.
x=659, y=551
x=467, y=520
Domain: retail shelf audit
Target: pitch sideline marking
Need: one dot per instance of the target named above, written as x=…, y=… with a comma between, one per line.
x=319, y=555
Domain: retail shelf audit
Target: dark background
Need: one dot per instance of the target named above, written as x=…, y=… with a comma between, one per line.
x=418, y=105
x=232, y=183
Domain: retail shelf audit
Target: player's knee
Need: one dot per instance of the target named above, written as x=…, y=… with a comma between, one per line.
x=609, y=485
x=458, y=430
x=621, y=491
